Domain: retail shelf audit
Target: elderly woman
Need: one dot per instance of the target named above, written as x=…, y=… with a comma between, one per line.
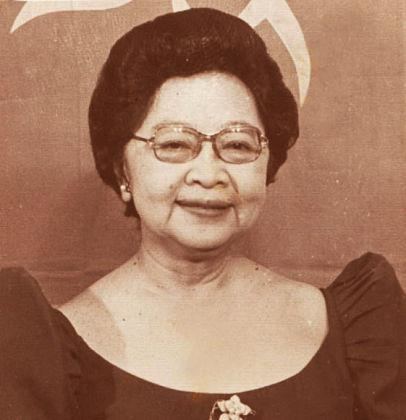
x=190, y=121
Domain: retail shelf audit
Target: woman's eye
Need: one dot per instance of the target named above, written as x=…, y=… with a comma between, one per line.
x=237, y=145
x=174, y=145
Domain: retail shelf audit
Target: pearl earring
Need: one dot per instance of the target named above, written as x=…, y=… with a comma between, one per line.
x=125, y=188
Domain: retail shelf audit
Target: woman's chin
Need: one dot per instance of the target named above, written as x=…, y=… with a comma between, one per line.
x=206, y=240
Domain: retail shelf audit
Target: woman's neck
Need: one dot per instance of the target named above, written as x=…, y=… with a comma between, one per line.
x=167, y=270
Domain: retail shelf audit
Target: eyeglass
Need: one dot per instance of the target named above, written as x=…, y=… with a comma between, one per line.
x=175, y=143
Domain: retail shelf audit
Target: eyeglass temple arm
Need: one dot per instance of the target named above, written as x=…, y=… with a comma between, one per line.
x=135, y=137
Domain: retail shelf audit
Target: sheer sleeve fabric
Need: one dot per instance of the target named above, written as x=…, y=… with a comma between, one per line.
x=371, y=306
x=36, y=365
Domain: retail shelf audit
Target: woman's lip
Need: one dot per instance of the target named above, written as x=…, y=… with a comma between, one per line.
x=205, y=211
x=205, y=204
x=209, y=208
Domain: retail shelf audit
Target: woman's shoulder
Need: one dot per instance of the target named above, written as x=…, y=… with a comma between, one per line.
x=94, y=315
x=34, y=349
x=26, y=314
x=20, y=290
x=23, y=304
x=91, y=318
x=299, y=303
x=371, y=307
x=368, y=297
x=364, y=283
x=366, y=310
x=371, y=310
x=265, y=282
x=370, y=278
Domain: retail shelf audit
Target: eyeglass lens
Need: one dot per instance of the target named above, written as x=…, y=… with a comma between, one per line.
x=178, y=145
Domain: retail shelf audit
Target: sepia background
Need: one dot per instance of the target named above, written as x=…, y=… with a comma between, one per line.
x=340, y=194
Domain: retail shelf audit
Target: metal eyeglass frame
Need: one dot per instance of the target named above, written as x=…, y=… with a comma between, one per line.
x=263, y=141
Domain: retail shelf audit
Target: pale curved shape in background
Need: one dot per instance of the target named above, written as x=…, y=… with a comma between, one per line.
x=35, y=8
x=280, y=16
x=179, y=5
x=277, y=12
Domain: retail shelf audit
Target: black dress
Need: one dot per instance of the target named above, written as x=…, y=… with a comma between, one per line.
x=48, y=372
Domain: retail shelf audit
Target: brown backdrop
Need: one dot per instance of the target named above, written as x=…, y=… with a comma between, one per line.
x=339, y=195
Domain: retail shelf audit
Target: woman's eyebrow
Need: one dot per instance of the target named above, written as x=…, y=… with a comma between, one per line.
x=187, y=124
x=235, y=122
x=171, y=122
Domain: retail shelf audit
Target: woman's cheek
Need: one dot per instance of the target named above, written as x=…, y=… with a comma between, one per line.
x=155, y=202
x=251, y=186
x=151, y=204
x=250, y=207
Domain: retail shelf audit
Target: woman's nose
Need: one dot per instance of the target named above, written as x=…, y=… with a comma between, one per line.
x=207, y=169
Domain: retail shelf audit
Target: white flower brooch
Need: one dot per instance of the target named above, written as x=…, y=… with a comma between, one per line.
x=232, y=409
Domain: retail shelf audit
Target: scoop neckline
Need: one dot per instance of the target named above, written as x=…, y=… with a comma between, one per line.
x=163, y=388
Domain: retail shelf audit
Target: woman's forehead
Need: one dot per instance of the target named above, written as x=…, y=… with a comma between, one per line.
x=207, y=101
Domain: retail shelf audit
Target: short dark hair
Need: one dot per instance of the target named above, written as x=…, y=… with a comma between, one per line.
x=180, y=45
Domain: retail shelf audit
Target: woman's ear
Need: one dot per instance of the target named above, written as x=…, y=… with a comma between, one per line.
x=122, y=179
x=125, y=192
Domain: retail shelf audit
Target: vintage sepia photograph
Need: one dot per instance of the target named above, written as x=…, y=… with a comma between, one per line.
x=202, y=210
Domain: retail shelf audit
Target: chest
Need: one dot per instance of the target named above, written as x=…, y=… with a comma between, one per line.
x=228, y=348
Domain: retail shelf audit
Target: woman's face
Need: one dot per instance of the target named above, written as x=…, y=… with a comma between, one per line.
x=205, y=203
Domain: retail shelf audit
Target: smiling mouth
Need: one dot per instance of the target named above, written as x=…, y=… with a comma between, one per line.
x=205, y=204
x=206, y=207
